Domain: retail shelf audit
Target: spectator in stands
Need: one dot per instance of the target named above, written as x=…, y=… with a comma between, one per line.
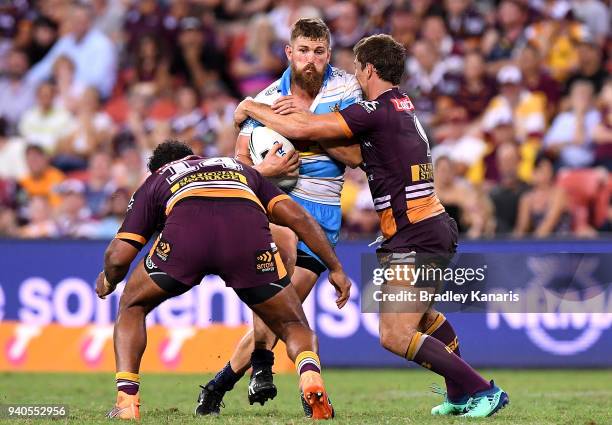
x=570, y=137
x=15, y=87
x=536, y=79
x=99, y=184
x=403, y=24
x=197, y=61
x=476, y=88
x=73, y=216
x=114, y=213
x=465, y=23
x=506, y=195
x=12, y=154
x=346, y=26
x=144, y=18
x=40, y=220
x=219, y=109
x=148, y=64
x=93, y=130
x=526, y=111
x=44, y=34
x=343, y=58
x=596, y=16
x=426, y=73
x=261, y=59
x=108, y=18
x=91, y=50
x=129, y=170
x=362, y=219
x=473, y=213
x=499, y=42
x=139, y=128
x=590, y=66
x=286, y=12
x=46, y=124
x=543, y=209
x=69, y=91
x=557, y=38
x=8, y=223
x=602, y=134
x=189, y=121
x=433, y=29
x=42, y=178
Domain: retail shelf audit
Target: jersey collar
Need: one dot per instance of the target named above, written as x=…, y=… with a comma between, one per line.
x=285, y=81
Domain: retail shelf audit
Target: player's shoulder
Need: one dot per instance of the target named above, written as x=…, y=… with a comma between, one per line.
x=270, y=93
x=341, y=77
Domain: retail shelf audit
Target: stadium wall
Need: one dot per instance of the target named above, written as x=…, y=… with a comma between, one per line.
x=51, y=319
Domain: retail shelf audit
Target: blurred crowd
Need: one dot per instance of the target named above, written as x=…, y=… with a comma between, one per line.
x=515, y=96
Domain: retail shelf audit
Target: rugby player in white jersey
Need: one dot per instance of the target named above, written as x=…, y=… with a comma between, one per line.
x=310, y=83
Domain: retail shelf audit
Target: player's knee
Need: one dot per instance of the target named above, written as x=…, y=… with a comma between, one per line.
x=392, y=341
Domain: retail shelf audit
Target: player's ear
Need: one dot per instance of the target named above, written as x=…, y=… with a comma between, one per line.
x=288, y=52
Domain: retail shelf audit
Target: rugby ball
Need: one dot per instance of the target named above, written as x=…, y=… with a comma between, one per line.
x=261, y=141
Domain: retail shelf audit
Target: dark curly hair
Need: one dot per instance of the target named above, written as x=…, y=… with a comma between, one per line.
x=166, y=152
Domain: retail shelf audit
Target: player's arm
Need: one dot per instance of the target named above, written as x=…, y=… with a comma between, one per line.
x=272, y=165
x=300, y=125
x=348, y=154
x=117, y=259
x=289, y=213
x=241, y=152
x=137, y=228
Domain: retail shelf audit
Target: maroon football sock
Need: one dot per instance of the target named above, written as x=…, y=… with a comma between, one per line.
x=434, y=355
x=443, y=331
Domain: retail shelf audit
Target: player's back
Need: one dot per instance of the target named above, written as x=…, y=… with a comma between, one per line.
x=189, y=178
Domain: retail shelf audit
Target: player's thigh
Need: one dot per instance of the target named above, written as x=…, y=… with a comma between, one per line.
x=142, y=291
x=281, y=310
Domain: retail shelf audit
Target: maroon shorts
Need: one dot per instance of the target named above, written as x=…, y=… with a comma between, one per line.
x=430, y=243
x=226, y=237
x=435, y=235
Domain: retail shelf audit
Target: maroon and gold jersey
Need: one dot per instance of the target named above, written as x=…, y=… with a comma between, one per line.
x=193, y=176
x=396, y=159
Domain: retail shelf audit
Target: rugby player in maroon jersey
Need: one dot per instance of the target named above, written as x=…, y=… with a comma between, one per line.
x=213, y=217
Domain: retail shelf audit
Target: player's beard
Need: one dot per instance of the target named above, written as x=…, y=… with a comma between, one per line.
x=310, y=82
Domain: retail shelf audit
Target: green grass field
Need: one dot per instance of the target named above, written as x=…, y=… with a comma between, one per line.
x=540, y=397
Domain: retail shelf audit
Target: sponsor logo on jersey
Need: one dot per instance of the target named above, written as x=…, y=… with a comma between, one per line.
x=162, y=250
x=130, y=204
x=335, y=108
x=403, y=104
x=369, y=106
x=422, y=172
x=265, y=261
x=271, y=90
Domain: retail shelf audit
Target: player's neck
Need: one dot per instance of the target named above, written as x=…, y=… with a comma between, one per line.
x=377, y=88
x=301, y=93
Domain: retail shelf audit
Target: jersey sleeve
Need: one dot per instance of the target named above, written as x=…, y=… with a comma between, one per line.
x=360, y=117
x=247, y=127
x=265, y=96
x=140, y=220
x=352, y=94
